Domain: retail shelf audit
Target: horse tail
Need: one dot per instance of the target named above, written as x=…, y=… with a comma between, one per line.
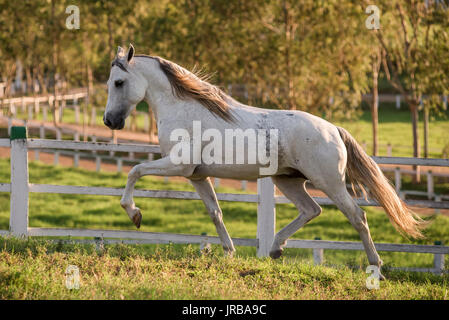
x=365, y=173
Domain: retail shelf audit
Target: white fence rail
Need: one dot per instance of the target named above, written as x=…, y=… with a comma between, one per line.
x=265, y=198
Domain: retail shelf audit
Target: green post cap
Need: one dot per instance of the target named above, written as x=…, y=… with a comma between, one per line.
x=438, y=243
x=204, y=233
x=18, y=133
x=317, y=238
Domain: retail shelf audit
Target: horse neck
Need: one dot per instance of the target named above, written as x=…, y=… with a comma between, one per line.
x=159, y=94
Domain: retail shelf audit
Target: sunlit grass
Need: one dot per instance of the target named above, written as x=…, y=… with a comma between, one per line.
x=36, y=270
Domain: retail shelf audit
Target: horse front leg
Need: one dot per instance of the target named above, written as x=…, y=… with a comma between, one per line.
x=206, y=192
x=160, y=167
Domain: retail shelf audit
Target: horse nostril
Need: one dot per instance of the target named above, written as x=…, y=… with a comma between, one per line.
x=106, y=121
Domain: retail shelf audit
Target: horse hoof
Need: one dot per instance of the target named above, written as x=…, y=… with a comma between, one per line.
x=276, y=254
x=382, y=277
x=229, y=253
x=137, y=218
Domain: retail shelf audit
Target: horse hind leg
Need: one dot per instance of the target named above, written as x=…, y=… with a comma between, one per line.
x=357, y=217
x=294, y=189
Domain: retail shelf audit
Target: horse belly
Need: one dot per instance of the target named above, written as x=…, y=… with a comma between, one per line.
x=234, y=171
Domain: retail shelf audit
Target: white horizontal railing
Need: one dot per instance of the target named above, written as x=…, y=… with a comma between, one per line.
x=265, y=198
x=90, y=146
x=412, y=161
x=46, y=98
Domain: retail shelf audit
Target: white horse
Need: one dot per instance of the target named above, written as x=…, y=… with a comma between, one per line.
x=309, y=148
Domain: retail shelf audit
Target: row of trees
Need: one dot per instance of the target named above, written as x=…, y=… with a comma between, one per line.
x=317, y=56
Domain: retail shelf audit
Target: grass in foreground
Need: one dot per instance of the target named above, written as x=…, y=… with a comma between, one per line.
x=36, y=270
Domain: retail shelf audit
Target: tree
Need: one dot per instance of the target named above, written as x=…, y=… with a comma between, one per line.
x=312, y=61
x=376, y=62
x=415, y=45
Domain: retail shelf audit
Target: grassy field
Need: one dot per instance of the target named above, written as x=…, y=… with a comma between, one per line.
x=395, y=128
x=35, y=269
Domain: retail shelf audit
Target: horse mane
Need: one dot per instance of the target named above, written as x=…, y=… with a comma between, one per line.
x=186, y=84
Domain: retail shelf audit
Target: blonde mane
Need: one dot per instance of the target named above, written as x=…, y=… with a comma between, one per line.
x=186, y=84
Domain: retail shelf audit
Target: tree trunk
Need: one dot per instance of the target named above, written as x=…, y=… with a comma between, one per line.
x=426, y=132
x=416, y=146
x=375, y=102
x=29, y=88
x=288, y=38
x=54, y=63
x=110, y=36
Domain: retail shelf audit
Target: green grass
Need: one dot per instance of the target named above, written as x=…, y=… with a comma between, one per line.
x=36, y=270
x=395, y=128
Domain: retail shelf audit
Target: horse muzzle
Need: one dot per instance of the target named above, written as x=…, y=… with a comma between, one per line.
x=114, y=123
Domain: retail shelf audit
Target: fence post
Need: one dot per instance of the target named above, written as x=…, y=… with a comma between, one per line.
x=398, y=101
x=437, y=199
x=216, y=182
x=42, y=131
x=93, y=116
x=77, y=111
x=113, y=140
x=9, y=125
x=430, y=192
x=45, y=112
x=61, y=109
x=23, y=105
x=389, y=150
x=30, y=112
x=18, y=221
x=94, y=139
x=318, y=254
x=397, y=179
x=56, y=154
x=36, y=107
x=244, y=184
x=76, y=157
x=266, y=216
x=438, y=260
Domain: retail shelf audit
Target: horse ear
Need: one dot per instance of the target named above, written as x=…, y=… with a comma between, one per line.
x=120, y=52
x=130, y=52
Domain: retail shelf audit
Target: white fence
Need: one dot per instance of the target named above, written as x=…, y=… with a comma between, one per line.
x=265, y=198
x=31, y=107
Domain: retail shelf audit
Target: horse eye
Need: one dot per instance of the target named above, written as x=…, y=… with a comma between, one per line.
x=118, y=83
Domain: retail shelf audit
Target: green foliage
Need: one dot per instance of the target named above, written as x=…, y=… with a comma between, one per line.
x=289, y=54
